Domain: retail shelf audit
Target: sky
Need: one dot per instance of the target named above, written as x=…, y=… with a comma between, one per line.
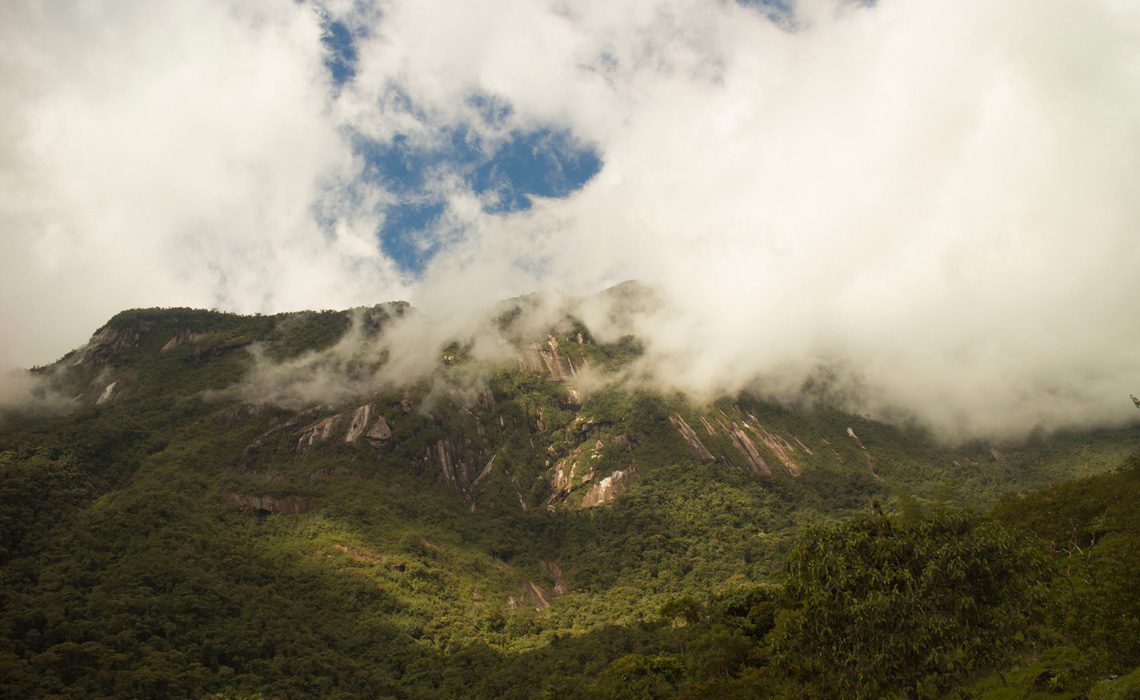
x=934, y=201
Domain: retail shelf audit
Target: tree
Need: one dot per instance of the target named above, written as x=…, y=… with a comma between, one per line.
x=876, y=608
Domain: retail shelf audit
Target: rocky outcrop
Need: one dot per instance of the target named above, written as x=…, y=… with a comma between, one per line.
x=107, y=395
x=358, y=423
x=780, y=448
x=752, y=443
x=748, y=450
x=549, y=360
x=353, y=425
x=608, y=488
x=872, y=463
x=180, y=339
x=287, y=505
x=555, y=572
x=455, y=461
x=379, y=431
x=562, y=479
x=533, y=594
x=109, y=341
x=322, y=430
x=690, y=437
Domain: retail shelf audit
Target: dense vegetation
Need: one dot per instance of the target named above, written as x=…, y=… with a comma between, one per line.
x=170, y=536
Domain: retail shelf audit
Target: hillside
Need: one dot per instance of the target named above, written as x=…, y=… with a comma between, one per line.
x=296, y=506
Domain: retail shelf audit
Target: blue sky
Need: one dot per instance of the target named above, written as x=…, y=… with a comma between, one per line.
x=506, y=176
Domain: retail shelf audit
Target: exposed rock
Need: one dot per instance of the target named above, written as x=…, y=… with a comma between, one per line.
x=537, y=358
x=455, y=462
x=299, y=419
x=322, y=430
x=996, y=454
x=110, y=341
x=777, y=445
x=537, y=597
x=530, y=360
x=872, y=463
x=555, y=572
x=352, y=424
x=380, y=430
x=801, y=444
x=486, y=470
x=690, y=438
x=181, y=338
x=107, y=395
x=749, y=451
x=359, y=422
x=563, y=478
x=608, y=489
x=288, y=505
x=519, y=493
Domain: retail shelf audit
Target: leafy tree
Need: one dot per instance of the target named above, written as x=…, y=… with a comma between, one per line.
x=876, y=608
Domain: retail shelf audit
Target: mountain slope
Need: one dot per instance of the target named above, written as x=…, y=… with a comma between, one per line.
x=258, y=504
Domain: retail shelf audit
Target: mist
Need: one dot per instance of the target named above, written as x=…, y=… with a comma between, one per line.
x=28, y=392
x=931, y=202
x=918, y=211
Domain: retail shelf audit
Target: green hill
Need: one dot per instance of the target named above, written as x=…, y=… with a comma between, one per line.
x=270, y=507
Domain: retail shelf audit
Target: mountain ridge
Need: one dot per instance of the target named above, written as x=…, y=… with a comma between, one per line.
x=510, y=497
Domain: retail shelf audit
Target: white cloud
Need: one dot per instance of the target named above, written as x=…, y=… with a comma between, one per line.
x=171, y=154
x=937, y=195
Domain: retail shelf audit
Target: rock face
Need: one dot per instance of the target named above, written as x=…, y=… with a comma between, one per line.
x=690, y=437
x=107, y=395
x=752, y=443
x=288, y=505
x=181, y=338
x=533, y=594
x=456, y=463
x=359, y=422
x=353, y=425
x=547, y=359
x=379, y=431
x=555, y=572
x=322, y=430
x=872, y=463
x=608, y=488
x=748, y=450
x=109, y=341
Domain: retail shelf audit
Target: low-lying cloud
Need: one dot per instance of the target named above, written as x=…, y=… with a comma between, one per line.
x=931, y=203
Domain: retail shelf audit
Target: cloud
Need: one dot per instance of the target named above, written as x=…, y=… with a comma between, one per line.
x=169, y=154
x=934, y=197
x=934, y=201
x=21, y=389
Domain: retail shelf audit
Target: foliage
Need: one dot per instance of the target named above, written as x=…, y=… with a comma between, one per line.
x=125, y=570
x=876, y=607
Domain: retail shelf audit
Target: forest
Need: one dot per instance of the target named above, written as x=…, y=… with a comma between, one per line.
x=497, y=533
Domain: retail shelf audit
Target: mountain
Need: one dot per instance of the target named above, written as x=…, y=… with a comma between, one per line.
x=359, y=504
